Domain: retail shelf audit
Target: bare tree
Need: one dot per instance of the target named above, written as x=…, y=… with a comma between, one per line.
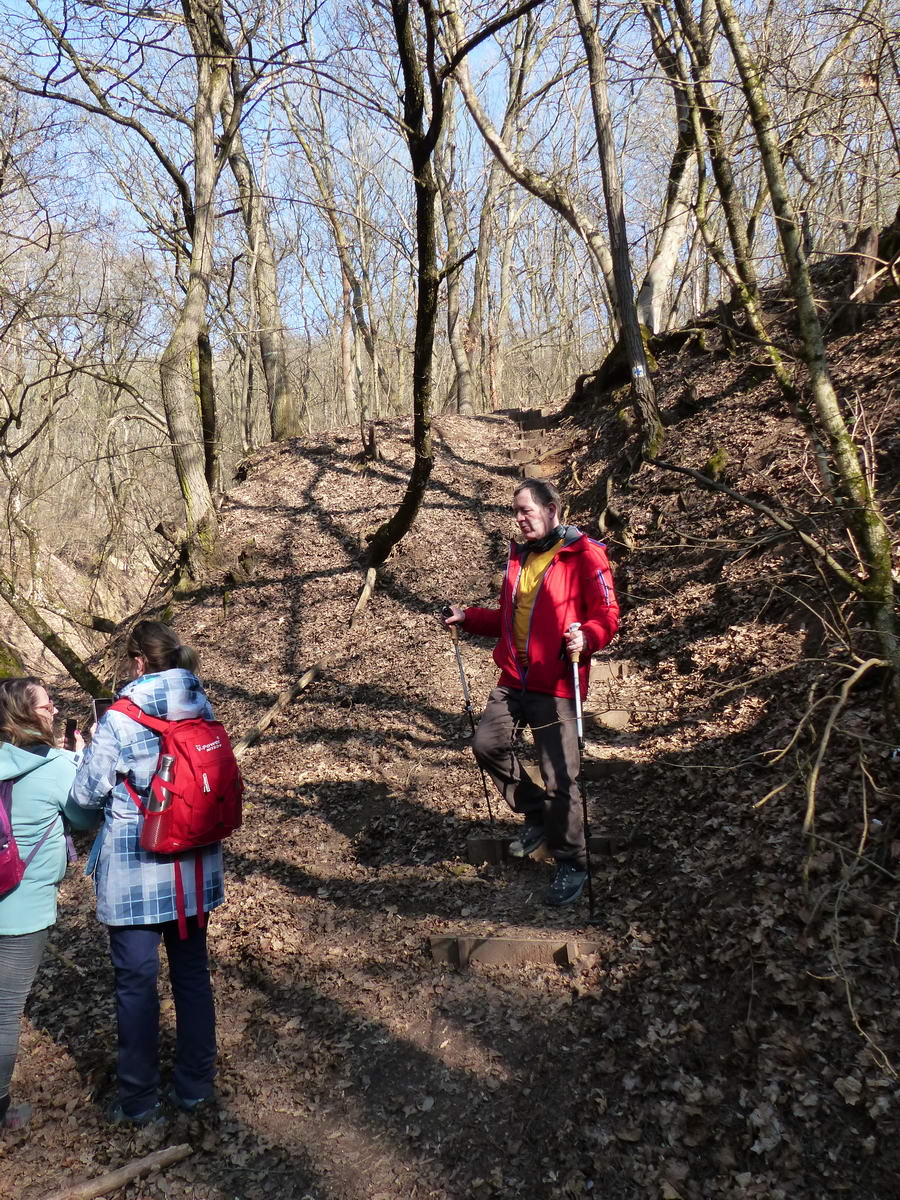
x=448, y=188
x=643, y=392
x=421, y=131
x=549, y=190
x=284, y=418
x=680, y=188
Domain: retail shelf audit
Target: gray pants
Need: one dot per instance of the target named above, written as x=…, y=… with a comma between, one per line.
x=20, y=957
x=556, y=806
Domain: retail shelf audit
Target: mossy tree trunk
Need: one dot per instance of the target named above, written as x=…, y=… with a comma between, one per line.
x=709, y=129
x=58, y=647
x=864, y=518
x=190, y=453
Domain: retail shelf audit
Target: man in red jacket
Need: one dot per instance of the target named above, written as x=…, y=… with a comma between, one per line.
x=557, y=597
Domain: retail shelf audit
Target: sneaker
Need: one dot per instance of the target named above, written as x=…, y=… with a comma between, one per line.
x=152, y=1116
x=528, y=841
x=567, y=883
x=189, y=1105
x=16, y=1117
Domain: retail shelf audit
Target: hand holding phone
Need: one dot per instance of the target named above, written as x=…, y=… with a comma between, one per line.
x=70, y=735
x=100, y=707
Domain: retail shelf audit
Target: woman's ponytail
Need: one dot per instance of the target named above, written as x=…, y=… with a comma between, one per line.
x=160, y=647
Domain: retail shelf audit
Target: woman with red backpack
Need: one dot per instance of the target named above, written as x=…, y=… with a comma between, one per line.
x=141, y=895
x=36, y=777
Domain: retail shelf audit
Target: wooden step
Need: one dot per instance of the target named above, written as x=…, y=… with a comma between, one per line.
x=458, y=950
x=495, y=850
x=609, y=668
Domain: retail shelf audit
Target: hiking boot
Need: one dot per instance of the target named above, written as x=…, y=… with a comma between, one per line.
x=528, y=841
x=152, y=1116
x=567, y=884
x=187, y=1104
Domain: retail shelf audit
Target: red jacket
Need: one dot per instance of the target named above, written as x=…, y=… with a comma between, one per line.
x=577, y=586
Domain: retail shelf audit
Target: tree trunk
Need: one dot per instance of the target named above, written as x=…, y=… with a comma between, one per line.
x=498, y=311
x=705, y=114
x=421, y=142
x=651, y=300
x=348, y=375
x=445, y=175
x=643, y=392
x=205, y=389
x=175, y=366
x=283, y=416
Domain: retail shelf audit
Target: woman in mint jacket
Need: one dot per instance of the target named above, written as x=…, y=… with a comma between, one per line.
x=42, y=776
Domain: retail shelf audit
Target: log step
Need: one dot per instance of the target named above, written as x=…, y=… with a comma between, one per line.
x=458, y=950
x=495, y=850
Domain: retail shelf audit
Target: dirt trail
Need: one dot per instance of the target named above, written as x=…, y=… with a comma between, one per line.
x=352, y=1066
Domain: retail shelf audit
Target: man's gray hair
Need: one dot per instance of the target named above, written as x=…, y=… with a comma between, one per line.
x=542, y=490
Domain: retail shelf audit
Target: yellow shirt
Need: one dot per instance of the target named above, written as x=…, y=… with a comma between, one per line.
x=529, y=581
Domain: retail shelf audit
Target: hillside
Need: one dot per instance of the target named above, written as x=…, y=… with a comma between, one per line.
x=734, y=1032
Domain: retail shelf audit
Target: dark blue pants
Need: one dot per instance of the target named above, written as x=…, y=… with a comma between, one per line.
x=135, y=958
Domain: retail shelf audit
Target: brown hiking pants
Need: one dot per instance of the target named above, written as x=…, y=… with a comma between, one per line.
x=557, y=805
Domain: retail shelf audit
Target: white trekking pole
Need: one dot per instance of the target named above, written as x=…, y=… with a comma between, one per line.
x=575, y=655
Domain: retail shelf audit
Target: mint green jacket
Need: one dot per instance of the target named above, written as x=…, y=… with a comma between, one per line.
x=39, y=800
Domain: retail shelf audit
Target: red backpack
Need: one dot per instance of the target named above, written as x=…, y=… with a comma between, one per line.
x=200, y=801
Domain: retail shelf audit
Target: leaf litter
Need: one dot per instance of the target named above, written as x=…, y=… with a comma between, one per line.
x=734, y=1035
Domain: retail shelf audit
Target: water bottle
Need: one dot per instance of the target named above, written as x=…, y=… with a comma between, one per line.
x=158, y=805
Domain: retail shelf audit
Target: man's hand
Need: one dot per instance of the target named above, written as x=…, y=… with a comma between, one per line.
x=453, y=614
x=575, y=642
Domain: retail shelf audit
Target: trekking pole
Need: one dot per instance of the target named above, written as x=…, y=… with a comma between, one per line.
x=575, y=655
x=447, y=611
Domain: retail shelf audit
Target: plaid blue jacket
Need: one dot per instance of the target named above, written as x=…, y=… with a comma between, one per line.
x=133, y=886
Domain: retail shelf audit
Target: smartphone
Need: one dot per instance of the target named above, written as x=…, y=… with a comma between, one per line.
x=100, y=707
x=69, y=735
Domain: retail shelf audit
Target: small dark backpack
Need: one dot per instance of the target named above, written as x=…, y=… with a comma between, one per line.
x=12, y=865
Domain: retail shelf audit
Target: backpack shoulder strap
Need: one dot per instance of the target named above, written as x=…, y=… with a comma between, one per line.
x=6, y=787
x=6, y=799
x=130, y=709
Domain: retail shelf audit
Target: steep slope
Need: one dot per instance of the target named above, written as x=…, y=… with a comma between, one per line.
x=734, y=1034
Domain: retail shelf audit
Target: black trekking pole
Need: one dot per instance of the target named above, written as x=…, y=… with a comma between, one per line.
x=447, y=611
x=575, y=655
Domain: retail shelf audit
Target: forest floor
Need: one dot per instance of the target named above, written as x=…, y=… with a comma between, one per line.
x=731, y=1030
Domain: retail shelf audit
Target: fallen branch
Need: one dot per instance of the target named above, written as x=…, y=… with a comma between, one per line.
x=64, y=958
x=813, y=779
x=113, y=1180
x=365, y=595
x=280, y=704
